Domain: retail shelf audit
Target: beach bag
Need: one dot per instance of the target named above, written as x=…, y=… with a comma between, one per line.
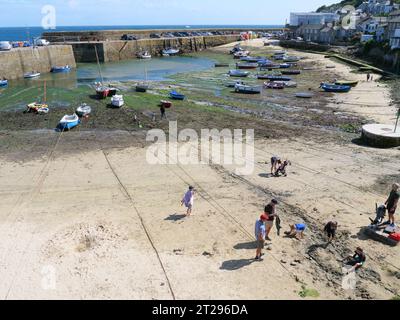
x=395, y=236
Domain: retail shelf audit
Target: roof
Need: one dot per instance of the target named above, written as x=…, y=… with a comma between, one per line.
x=395, y=20
x=327, y=29
x=394, y=13
x=312, y=26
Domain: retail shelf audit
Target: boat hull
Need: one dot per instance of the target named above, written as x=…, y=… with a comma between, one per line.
x=3, y=83
x=60, y=70
x=336, y=88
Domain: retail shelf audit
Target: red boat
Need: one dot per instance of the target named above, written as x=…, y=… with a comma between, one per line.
x=274, y=85
x=166, y=104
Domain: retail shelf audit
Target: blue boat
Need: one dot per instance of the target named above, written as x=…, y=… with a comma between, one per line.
x=61, y=69
x=69, y=122
x=335, y=88
x=285, y=65
x=176, y=96
x=278, y=78
x=3, y=83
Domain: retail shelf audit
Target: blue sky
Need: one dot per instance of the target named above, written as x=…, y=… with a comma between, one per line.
x=150, y=12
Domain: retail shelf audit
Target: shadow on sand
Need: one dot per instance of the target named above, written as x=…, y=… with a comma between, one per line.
x=232, y=265
x=175, y=217
x=246, y=246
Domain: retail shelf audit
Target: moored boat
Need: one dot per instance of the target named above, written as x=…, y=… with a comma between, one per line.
x=291, y=72
x=170, y=52
x=221, y=65
x=238, y=73
x=278, y=78
x=241, y=88
x=142, y=87
x=31, y=75
x=105, y=91
x=62, y=69
x=274, y=85
x=232, y=84
x=285, y=65
x=268, y=75
x=335, y=88
x=35, y=107
x=241, y=54
x=176, y=96
x=304, y=95
x=83, y=110
x=117, y=101
x=288, y=84
x=346, y=83
x=247, y=65
x=69, y=122
x=144, y=55
x=3, y=83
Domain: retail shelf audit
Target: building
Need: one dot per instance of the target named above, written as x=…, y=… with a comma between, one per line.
x=327, y=35
x=310, y=32
x=395, y=40
x=312, y=18
x=378, y=7
x=393, y=23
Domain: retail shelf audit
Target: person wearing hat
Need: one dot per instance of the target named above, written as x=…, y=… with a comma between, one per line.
x=357, y=260
x=260, y=235
x=270, y=213
x=391, y=203
x=188, y=200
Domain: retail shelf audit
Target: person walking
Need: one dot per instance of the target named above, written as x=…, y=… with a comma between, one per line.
x=163, y=112
x=188, y=201
x=368, y=77
x=330, y=230
x=260, y=235
x=271, y=215
x=391, y=203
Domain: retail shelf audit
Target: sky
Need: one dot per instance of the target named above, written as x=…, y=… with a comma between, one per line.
x=23, y=13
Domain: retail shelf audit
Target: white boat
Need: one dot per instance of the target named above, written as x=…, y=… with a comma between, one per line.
x=69, y=121
x=43, y=110
x=144, y=55
x=31, y=75
x=5, y=46
x=241, y=54
x=242, y=88
x=304, y=95
x=288, y=84
x=170, y=52
x=238, y=73
x=83, y=110
x=117, y=101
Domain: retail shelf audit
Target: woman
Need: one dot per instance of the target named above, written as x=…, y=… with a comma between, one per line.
x=188, y=200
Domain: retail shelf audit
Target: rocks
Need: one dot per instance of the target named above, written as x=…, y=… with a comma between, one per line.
x=207, y=254
x=283, y=261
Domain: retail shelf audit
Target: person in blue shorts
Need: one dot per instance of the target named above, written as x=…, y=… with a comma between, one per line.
x=296, y=231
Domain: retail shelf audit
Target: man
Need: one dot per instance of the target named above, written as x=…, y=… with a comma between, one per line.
x=260, y=235
x=162, y=110
x=275, y=162
x=271, y=215
x=357, y=260
x=296, y=230
x=330, y=230
x=391, y=203
x=188, y=200
x=368, y=77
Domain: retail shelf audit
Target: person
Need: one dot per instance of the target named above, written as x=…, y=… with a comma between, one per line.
x=368, y=77
x=188, y=200
x=271, y=215
x=356, y=261
x=162, y=110
x=275, y=162
x=282, y=168
x=260, y=235
x=296, y=230
x=391, y=203
x=380, y=215
x=330, y=230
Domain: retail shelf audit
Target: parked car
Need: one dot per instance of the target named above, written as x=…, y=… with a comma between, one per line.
x=5, y=46
x=41, y=42
x=128, y=37
x=155, y=36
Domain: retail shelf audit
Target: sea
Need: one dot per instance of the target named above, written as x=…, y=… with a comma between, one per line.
x=29, y=33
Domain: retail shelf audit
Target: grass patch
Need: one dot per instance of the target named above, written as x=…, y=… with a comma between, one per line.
x=308, y=293
x=396, y=297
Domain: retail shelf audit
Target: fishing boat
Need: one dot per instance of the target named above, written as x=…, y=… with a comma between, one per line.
x=35, y=107
x=31, y=75
x=166, y=104
x=335, y=88
x=304, y=95
x=176, y=96
x=221, y=65
x=61, y=69
x=144, y=55
x=347, y=83
x=238, y=73
x=278, y=78
x=170, y=52
x=241, y=88
x=83, y=110
x=291, y=72
x=69, y=122
x=3, y=83
x=117, y=101
x=274, y=85
x=246, y=65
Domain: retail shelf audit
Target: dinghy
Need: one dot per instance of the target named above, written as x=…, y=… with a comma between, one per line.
x=105, y=91
x=117, y=101
x=83, y=110
x=142, y=87
x=253, y=59
x=3, y=83
x=288, y=84
x=31, y=75
x=43, y=110
x=69, y=121
x=232, y=84
x=291, y=72
x=304, y=95
x=241, y=88
x=335, y=88
x=278, y=78
x=61, y=69
x=144, y=55
x=35, y=107
x=285, y=65
x=274, y=85
x=176, y=96
x=238, y=73
x=240, y=54
x=246, y=65
x=170, y=52
x=268, y=75
x=347, y=83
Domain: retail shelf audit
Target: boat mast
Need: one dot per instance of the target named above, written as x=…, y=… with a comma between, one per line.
x=98, y=64
x=44, y=92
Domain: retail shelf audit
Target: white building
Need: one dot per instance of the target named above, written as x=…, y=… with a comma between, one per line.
x=314, y=18
x=395, y=40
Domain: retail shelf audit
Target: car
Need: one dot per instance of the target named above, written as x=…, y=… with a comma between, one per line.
x=129, y=37
x=155, y=36
x=5, y=46
x=41, y=42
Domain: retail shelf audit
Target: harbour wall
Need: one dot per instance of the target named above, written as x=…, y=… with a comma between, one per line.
x=15, y=63
x=117, y=50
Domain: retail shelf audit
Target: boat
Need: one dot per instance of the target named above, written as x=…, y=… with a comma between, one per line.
x=291, y=59
x=242, y=88
x=166, y=104
x=334, y=88
x=241, y=54
x=221, y=65
x=291, y=72
x=288, y=84
x=346, y=83
x=274, y=85
x=247, y=65
x=31, y=75
x=232, y=84
x=170, y=52
x=69, y=122
x=117, y=101
x=331, y=67
x=43, y=110
x=142, y=87
x=253, y=59
x=266, y=76
x=238, y=73
x=105, y=91
x=269, y=66
x=3, y=83
x=61, y=69
x=304, y=95
x=35, y=107
x=176, y=96
x=144, y=55
x=83, y=110
x=285, y=66
x=382, y=234
x=278, y=78
x=237, y=48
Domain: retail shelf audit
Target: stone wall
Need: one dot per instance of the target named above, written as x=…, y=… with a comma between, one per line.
x=15, y=63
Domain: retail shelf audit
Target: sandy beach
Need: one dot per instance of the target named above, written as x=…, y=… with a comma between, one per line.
x=99, y=222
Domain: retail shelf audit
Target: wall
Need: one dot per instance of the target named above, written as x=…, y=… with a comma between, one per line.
x=15, y=63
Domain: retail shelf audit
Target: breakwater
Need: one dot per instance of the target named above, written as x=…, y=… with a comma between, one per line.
x=15, y=63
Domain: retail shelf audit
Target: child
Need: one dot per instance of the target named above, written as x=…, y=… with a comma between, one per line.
x=188, y=200
x=282, y=169
x=296, y=230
